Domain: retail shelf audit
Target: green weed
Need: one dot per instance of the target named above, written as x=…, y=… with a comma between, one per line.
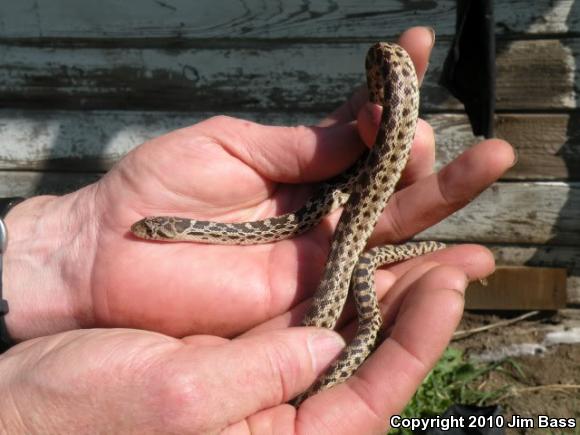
x=451, y=381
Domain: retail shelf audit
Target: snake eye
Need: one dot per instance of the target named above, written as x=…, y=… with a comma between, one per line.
x=142, y=229
x=150, y=229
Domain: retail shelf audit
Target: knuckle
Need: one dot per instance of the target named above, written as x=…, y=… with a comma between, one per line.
x=297, y=145
x=177, y=400
x=284, y=368
x=220, y=119
x=395, y=220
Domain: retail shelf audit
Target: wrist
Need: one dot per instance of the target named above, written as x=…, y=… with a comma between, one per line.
x=45, y=265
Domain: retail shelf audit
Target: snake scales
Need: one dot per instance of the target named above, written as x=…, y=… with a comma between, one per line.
x=363, y=190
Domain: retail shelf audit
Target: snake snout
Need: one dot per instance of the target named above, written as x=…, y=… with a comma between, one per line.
x=142, y=229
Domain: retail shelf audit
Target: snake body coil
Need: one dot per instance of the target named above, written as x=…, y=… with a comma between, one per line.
x=364, y=191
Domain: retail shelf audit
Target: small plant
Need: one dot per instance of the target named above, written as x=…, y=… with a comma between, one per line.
x=451, y=381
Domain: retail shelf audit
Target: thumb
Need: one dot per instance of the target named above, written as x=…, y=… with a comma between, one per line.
x=231, y=381
x=299, y=154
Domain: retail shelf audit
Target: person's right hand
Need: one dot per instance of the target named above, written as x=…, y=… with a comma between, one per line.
x=129, y=381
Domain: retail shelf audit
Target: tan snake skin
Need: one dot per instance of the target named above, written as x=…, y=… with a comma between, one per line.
x=363, y=190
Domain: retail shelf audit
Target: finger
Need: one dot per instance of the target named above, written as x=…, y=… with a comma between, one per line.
x=348, y=112
x=204, y=340
x=245, y=375
x=286, y=154
x=432, y=199
x=390, y=303
x=387, y=380
x=277, y=420
x=305, y=154
x=392, y=284
x=418, y=42
x=422, y=158
x=474, y=260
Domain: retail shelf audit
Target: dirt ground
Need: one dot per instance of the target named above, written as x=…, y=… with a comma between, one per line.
x=544, y=376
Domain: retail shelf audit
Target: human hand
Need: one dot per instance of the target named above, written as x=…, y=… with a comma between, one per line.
x=131, y=381
x=92, y=272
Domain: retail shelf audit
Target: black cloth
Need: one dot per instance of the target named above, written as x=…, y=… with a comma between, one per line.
x=469, y=69
x=5, y=340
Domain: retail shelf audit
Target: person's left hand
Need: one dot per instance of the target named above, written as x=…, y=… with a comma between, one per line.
x=71, y=261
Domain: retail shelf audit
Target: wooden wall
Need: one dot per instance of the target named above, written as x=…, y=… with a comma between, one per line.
x=83, y=82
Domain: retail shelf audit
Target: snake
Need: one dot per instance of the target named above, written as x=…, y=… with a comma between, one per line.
x=363, y=191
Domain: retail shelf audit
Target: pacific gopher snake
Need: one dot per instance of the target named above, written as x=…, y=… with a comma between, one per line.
x=363, y=190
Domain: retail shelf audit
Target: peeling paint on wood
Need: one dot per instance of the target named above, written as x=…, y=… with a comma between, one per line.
x=548, y=145
x=29, y=184
x=522, y=213
x=185, y=19
x=526, y=213
x=529, y=72
x=532, y=75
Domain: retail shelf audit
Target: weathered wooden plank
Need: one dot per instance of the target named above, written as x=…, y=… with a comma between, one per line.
x=506, y=213
x=519, y=288
x=548, y=145
x=564, y=255
x=183, y=19
x=567, y=257
x=529, y=71
x=29, y=184
x=78, y=141
x=95, y=140
x=532, y=75
x=523, y=213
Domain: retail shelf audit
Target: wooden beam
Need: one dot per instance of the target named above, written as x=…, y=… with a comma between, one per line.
x=261, y=76
x=567, y=257
x=523, y=213
x=519, y=288
x=183, y=20
x=548, y=144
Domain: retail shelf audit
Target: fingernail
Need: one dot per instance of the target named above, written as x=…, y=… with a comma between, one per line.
x=432, y=30
x=374, y=112
x=324, y=346
x=516, y=157
x=462, y=286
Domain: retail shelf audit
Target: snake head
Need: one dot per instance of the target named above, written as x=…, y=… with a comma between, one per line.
x=148, y=228
x=385, y=64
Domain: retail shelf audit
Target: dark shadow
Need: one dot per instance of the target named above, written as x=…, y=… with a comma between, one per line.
x=63, y=171
x=78, y=153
